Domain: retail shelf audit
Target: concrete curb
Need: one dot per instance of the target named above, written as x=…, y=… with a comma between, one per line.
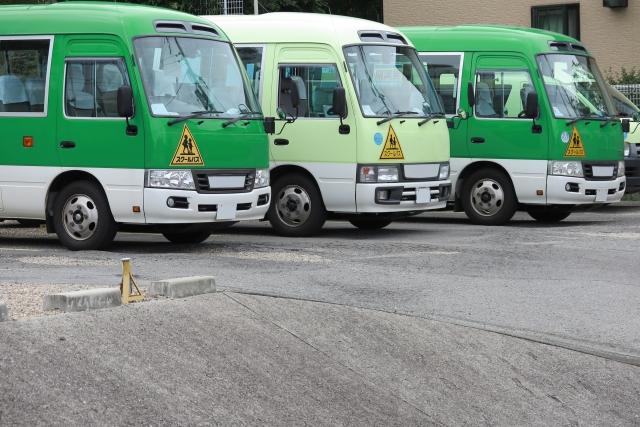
x=4, y=311
x=91, y=299
x=183, y=287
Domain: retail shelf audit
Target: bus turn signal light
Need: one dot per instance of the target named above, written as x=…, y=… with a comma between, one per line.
x=27, y=141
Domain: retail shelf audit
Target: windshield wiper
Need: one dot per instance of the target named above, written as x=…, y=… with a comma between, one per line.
x=236, y=119
x=395, y=115
x=432, y=116
x=588, y=117
x=193, y=115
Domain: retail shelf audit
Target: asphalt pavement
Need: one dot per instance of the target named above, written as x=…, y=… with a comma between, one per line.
x=522, y=324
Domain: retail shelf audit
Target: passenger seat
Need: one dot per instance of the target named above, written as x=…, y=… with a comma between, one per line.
x=13, y=96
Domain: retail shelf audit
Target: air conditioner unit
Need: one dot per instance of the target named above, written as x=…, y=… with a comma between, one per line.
x=615, y=3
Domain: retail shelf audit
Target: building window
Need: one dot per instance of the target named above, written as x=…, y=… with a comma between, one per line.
x=563, y=19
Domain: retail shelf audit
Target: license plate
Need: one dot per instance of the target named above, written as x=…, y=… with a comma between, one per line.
x=221, y=182
x=226, y=211
x=603, y=171
x=601, y=195
x=423, y=195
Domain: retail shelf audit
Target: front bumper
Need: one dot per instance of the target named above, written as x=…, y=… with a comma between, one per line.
x=632, y=167
x=401, y=196
x=203, y=208
x=582, y=191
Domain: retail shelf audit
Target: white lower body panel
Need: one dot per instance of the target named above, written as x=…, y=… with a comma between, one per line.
x=367, y=203
x=590, y=192
x=158, y=212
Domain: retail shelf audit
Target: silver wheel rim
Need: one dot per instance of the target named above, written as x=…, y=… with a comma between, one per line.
x=80, y=217
x=487, y=197
x=293, y=205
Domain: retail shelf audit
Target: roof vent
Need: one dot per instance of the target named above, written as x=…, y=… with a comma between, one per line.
x=197, y=28
x=371, y=37
x=170, y=27
x=396, y=38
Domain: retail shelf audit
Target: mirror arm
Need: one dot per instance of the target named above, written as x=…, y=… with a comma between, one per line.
x=132, y=130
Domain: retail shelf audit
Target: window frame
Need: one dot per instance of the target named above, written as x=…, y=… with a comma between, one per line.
x=460, y=71
x=565, y=11
x=45, y=111
x=262, y=63
x=310, y=64
x=95, y=59
x=494, y=70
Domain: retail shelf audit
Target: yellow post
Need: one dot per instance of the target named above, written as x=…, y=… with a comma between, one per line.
x=127, y=281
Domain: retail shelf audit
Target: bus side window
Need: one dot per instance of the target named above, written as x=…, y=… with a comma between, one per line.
x=502, y=93
x=23, y=75
x=444, y=70
x=252, y=60
x=91, y=87
x=319, y=81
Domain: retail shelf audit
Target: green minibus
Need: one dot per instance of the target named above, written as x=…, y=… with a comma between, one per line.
x=532, y=124
x=120, y=117
x=628, y=111
x=359, y=134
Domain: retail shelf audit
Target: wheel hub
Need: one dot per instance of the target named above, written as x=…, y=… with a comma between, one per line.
x=80, y=217
x=293, y=205
x=487, y=197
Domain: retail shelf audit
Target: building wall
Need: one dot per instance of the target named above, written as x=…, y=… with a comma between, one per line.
x=612, y=35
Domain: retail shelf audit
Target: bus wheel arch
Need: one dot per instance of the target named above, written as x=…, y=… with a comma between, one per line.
x=92, y=198
x=489, y=173
x=301, y=190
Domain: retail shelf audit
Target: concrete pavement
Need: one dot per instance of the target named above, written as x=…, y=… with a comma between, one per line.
x=229, y=358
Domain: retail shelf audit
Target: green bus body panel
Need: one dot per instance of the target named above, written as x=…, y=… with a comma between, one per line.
x=106, y=30
x=512, y=47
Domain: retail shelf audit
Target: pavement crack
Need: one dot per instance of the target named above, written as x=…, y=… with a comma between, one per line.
x=329, y=356
x=567, y=343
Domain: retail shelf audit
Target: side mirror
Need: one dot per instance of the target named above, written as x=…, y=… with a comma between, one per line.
x=626, y=125
x=471, y=95
x=270, y=125
x=339, y=105
x=298, y=91
x=125, y=102
x=532, y=108
x=462, y=114
x=125, y=108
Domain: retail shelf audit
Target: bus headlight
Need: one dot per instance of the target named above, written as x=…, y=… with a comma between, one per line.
x=262, y=178
x=174, y=179
x=444, y=171
x=563, y=168
x=627, y=149
x=621, y=170
x=367, y=174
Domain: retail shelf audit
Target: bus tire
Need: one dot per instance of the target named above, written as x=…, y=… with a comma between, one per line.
x=549, y=215
x=488, y=197
x=191, y=237
x=370, y=224
x=296, y=209
x=82, y=218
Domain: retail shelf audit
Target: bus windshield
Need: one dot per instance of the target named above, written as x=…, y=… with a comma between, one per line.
x=575, y=86
x=391, y=80
x=184, y=76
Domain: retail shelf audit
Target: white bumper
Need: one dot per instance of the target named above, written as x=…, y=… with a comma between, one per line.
x=405, y=201
x=200, y=206
x=587, y=193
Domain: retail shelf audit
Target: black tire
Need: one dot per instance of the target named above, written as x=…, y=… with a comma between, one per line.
x=30, y=222
x=549, y=215
x=191, y=237
x=296, y=209
x=370, y=224
x=88, y=225
x=488, y=197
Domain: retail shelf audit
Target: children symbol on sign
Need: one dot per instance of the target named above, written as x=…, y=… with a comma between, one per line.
x=187, y=146
x=393, y=142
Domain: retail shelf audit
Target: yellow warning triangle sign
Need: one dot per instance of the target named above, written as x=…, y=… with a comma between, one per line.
x=392, y=149
x=187, y=153
x=575, y=147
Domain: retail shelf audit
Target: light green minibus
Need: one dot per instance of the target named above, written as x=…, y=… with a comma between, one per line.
x=532, y=123
x=359, y=135
x=126, y=117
